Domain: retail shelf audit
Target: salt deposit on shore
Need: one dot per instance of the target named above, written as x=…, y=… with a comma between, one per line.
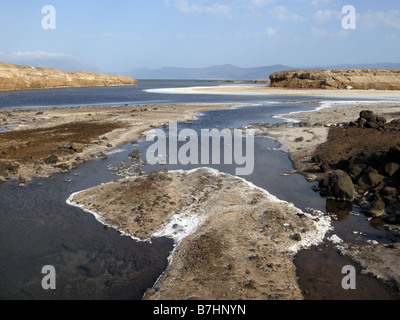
x=222, y=226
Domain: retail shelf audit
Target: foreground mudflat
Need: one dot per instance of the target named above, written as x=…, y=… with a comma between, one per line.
x=233, y=240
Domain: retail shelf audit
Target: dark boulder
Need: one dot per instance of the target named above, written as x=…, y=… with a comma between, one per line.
x=371, y=180
x=378, y=208
x=390, y=193
x=135, y=155
x=51, y=159
x=340, y=186
x=368, y=119
x=391, y=168
x=357, y=169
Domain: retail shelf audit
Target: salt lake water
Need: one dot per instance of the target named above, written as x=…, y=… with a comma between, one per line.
x=38, y=228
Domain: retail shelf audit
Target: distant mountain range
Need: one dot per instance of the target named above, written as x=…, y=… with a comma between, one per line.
x=231, y=72
x=219, y=72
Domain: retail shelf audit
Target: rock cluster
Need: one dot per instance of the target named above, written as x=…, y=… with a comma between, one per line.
x=14, y=77
x=338, y=79
x=370, y=178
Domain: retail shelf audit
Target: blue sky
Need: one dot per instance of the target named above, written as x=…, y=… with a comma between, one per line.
x=120, y=35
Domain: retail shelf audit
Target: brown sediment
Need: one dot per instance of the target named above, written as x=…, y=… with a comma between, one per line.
x=71, y=136
x=233, y=240
x=343, y=142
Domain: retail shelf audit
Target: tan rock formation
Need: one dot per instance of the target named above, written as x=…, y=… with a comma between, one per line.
x=15, y=77
x=338, y=79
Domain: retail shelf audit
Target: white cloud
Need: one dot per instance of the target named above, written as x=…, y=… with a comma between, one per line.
x=38, y=55
x=285, y=15
x=323, y=16
x=217, y=7
x=255, y=4
x=271, y=31
x=322, y=33
x=320, y=3
x=187, y=6
x=375, y=19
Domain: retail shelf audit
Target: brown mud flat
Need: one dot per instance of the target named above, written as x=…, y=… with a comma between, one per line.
x=47, y=146
x=345, y=142
x=41, y=142
x=233, y=240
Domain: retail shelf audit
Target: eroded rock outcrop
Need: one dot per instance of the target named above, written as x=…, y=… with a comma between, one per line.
x=15, y=77
x=338, y=79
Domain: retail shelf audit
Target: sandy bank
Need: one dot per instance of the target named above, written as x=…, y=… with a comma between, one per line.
x=233, y=240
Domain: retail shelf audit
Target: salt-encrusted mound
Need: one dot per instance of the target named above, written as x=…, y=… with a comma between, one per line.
x=15, y=77
x=233, y=239
x=338, y=79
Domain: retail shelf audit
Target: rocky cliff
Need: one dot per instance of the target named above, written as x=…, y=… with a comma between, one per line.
x=338, y=79
x=15, y=77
